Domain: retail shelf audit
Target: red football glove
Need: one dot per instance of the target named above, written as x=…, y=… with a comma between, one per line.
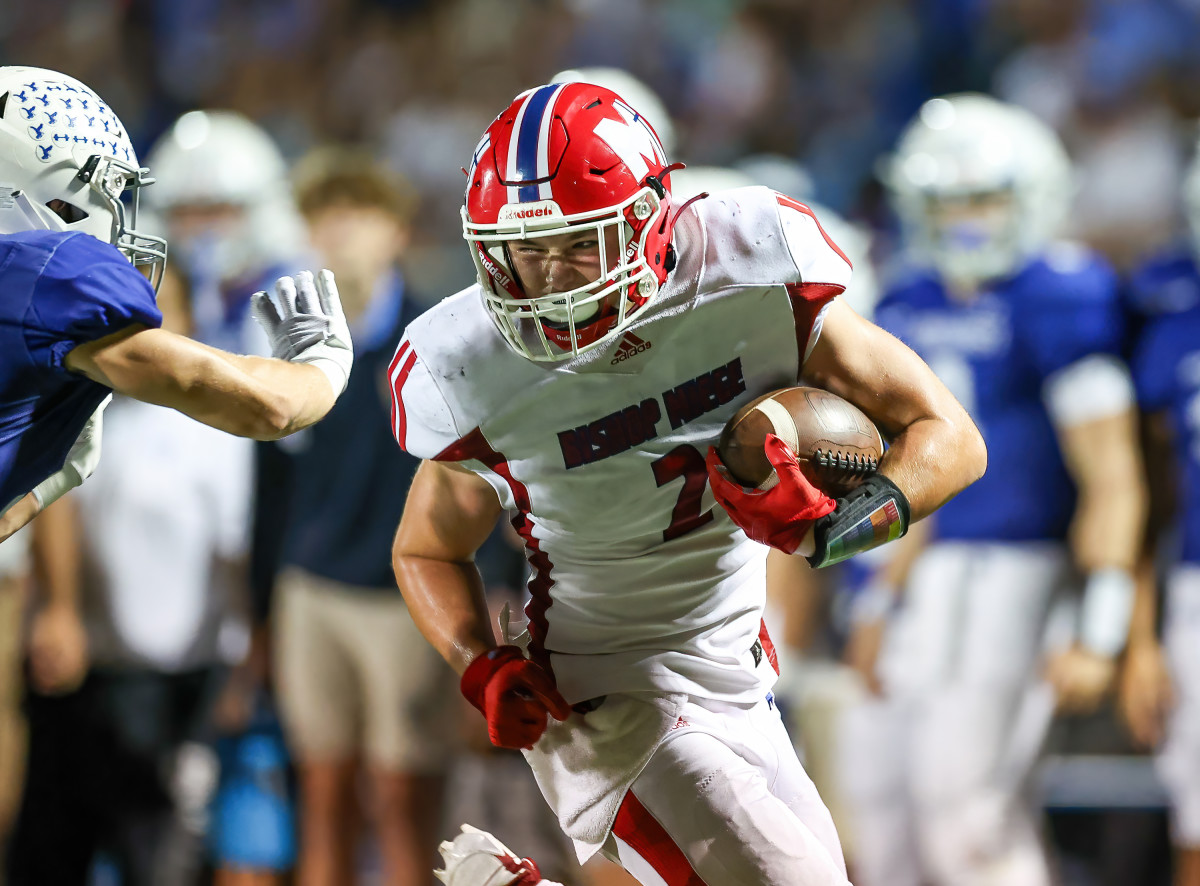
x=514, y=694
x=782, y=515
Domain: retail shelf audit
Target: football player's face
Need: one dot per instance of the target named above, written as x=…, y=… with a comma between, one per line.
x=546, y=265
x=969, y=220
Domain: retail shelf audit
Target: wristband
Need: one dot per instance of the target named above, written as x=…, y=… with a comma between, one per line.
x=1107, y=609
x=873, y=514
x=320, y=356
x=56, y=486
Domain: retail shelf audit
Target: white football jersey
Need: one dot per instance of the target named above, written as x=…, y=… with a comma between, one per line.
x=640, y=582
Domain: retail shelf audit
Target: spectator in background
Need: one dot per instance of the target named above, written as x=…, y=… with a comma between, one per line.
x=221, y=188
x=139, y=573
x=359, y=691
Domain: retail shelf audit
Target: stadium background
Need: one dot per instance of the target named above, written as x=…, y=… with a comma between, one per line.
x=827, y=85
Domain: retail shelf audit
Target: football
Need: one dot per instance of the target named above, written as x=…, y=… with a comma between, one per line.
x=836, y=444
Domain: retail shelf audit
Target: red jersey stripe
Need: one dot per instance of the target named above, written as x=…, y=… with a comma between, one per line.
x=800, y=207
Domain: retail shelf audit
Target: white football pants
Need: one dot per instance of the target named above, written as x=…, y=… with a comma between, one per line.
x=935, y=775
x=724, y=801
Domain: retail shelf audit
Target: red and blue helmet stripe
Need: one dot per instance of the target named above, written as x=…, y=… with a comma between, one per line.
x=528, y=151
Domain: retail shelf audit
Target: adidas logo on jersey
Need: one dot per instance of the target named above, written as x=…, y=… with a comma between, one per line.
x=630, y=346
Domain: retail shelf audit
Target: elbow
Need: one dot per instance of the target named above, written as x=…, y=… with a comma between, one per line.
x=272, y=420
x=974, y=453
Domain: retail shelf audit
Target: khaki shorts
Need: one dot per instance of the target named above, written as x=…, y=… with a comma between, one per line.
x=355, y=677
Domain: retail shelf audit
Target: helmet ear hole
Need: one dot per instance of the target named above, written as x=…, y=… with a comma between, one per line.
x=68, y=212
x=4, y=103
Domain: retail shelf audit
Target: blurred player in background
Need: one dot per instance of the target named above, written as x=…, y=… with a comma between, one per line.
x=1026, y=332
x=140, y=610
x=222, y=191
x=1161, y=683
x=360, y=692
x=80, y=320
x=579, y=384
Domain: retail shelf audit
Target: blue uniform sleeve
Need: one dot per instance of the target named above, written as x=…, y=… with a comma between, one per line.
x=1154, y=362
x=1068, y=316
x=85, y=291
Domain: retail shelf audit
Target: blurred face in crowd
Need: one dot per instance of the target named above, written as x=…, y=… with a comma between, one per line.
x=359, y=244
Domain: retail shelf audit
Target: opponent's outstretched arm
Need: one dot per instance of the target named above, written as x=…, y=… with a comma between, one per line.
x=248, y=396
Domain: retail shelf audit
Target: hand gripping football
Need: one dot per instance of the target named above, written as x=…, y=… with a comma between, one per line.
x=836, y=444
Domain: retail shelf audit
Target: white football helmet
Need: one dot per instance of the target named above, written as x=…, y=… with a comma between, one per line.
x=980, y=185
x=1191, y=197
x=65, y=163
x=639, y=96
x=221, y=159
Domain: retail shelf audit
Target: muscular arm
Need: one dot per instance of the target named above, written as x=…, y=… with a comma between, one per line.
x=248, y=396
x=449, y=513
x=935, y=450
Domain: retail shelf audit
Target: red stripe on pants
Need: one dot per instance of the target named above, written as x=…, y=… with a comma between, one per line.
x=645, y=836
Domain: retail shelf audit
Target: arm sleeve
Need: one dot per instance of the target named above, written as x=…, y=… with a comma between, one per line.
x=86, y=290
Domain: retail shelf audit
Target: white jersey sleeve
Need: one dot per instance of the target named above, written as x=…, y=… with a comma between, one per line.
x=822, y=269
x=422, y=422
x=819, y=261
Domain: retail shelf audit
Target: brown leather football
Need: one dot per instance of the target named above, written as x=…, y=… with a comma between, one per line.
x=836, y=444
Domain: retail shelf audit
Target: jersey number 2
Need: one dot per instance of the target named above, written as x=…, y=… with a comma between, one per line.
x=684, y=461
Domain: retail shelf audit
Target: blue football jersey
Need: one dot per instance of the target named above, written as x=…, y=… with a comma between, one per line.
x=995, y=353
x=57, y=291
x=1166, y=370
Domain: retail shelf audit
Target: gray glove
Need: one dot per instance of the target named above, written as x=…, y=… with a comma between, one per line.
x=305, y=324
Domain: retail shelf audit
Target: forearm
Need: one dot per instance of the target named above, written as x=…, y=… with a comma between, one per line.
x=22, y=511
x=932, y=460
x=1107, y=528
x=299, y=392
x=447, y=603
x=1143, y=622
x=247, y=396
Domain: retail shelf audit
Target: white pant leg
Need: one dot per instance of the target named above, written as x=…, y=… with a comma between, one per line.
x=975, y=616
x=872, y=778
x=725, y=801
x=1178, y=762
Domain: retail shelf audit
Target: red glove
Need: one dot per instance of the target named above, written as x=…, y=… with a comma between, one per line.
x=782, y=515
x=514, y=694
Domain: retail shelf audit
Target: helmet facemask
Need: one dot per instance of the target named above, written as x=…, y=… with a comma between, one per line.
x=974, y=236
x=560, y=325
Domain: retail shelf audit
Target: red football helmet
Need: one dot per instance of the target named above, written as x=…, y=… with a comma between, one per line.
x=560, y=159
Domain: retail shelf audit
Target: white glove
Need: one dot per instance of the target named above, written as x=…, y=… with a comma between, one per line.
x=476, y=858
x=308, y=325
x=81, y=460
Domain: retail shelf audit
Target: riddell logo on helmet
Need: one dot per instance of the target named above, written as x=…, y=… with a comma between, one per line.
x=493, y=269
x=630, y=346
x=529, y=211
